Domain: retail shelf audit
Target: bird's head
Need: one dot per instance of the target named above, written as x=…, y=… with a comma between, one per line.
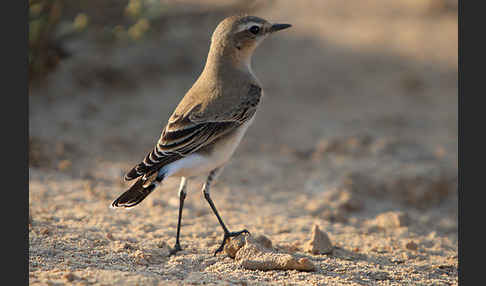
x=238, y=36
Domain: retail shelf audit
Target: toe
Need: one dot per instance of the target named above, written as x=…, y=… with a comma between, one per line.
x=174, y=250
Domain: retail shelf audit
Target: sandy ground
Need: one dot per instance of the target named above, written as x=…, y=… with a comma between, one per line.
x=357, y=134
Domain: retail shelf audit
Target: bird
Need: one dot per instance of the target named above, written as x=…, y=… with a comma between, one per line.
x=209, y=122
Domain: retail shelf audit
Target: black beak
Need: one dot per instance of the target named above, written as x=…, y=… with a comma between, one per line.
x=278, y=27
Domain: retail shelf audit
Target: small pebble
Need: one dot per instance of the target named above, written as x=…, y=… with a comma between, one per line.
x=319, y=242
x=392, y=220
x=70, y=277
x=263, y=240
x=411, y=245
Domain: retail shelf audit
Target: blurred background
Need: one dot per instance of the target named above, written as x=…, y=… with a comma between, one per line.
x=116, y=69
x=359, y=115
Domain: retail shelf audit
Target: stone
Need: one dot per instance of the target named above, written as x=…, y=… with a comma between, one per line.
x=319, y=242
x=233, y=245
x=411, y=245
x=70, y=277
x=392, y=219
x=254, y=254
x=264, y=241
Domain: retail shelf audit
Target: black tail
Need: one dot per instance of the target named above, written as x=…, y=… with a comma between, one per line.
x=136, y=194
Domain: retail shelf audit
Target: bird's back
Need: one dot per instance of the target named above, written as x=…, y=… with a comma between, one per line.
x=217, y=95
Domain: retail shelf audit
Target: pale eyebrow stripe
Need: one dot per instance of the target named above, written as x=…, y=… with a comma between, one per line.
x=245, y=26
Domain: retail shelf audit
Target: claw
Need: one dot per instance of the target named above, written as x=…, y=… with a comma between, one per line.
x=174, y=250
x=228, y=235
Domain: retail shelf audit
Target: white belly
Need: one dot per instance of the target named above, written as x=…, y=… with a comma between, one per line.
x=197, y=164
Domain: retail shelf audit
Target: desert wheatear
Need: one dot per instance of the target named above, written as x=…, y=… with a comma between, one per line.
x=209, y=122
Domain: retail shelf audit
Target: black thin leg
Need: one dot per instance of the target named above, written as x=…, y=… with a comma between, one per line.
x=215, y=211
x=227, y=233
x=182, y=196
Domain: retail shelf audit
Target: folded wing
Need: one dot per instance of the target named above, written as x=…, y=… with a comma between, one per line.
x=186, y=133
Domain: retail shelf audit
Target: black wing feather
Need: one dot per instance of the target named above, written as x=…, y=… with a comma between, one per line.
x=182, y=136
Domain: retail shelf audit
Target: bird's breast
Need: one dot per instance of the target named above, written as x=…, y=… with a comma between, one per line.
x=223, y=148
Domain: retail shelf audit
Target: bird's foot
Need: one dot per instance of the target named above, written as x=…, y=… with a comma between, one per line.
x=173, y=251
x=228, y=235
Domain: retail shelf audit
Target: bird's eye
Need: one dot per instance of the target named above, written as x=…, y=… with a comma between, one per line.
x=254, y=30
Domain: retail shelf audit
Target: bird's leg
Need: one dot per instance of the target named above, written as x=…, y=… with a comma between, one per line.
x=227, y=234
x=182, y=196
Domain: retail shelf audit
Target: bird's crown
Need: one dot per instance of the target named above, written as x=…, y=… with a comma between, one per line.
x=242, y=32
x=231, y=26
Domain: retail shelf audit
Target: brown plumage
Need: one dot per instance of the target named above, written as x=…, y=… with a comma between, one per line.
x=209, y=122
